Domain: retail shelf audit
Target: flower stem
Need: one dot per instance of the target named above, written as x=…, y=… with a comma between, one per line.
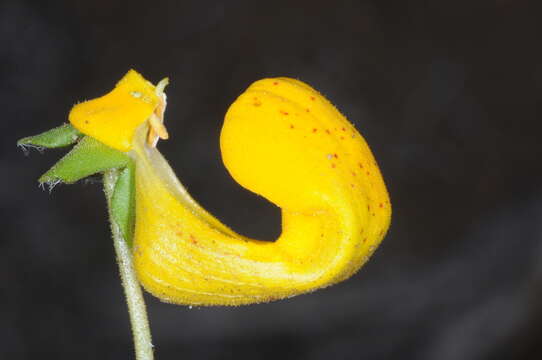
x=134, y=296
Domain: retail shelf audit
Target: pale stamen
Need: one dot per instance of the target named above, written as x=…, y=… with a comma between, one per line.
x=156, y=120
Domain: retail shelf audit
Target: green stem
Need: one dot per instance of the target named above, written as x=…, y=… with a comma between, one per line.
x=134, y=296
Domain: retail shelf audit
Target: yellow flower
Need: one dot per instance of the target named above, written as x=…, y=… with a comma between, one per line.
x=281, y=139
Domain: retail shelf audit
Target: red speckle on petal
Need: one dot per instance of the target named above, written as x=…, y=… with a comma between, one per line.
x=343, y=129
x=312, y=98
x=275, y=83
x=327, y=131
x=360, y=165
x=314, y=130
x=333, y=166
x=193, y=239
x=291, y=126
x=308, y=110
x=283, y=112
x=335, y=156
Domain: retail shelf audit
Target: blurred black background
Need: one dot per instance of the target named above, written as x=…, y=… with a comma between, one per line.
x=447, y=94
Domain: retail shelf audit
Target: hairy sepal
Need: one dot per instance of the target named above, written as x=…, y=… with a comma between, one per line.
x=58, y=137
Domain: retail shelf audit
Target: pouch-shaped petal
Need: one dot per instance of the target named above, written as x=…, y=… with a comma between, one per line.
x=283, y=140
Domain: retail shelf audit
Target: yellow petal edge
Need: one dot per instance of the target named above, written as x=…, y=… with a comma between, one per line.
x=281, y=139
x=113, y=118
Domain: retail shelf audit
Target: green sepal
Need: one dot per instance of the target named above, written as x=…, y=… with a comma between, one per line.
x=88, y=157
x=55, y=138
x=123, y=202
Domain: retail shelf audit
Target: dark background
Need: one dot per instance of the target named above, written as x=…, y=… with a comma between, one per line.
x=447, y=94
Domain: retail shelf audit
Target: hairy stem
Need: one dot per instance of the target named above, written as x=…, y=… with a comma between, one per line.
x=134, y=296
